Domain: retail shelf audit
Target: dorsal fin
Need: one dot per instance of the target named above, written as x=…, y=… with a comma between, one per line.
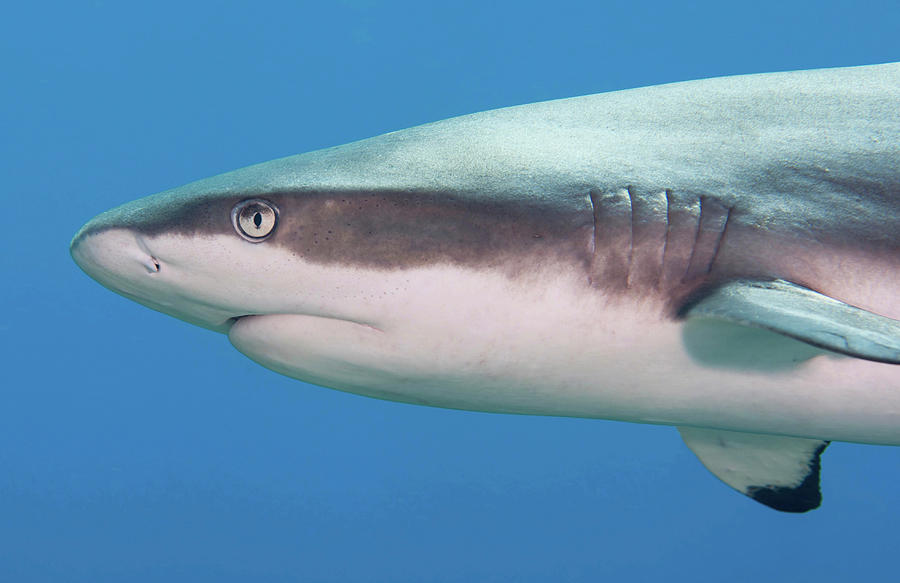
x=780, y=472
x=803, y=314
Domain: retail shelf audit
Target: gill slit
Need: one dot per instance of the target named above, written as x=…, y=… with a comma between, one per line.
x=719, y=241
x=592, y=199
x=687, y=268
x=662, y=266
x=628, y=190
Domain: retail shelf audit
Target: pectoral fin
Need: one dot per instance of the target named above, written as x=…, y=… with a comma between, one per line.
x=780, y=472
x=803, y=314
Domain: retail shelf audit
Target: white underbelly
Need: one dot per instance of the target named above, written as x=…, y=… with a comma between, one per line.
x=552, y=346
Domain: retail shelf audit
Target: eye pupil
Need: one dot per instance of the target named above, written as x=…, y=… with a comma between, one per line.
x=254, y=219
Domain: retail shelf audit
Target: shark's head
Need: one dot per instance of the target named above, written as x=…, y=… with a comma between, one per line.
x=288, y=237
x=243, y=243
x=201, y=258
x=299, y=264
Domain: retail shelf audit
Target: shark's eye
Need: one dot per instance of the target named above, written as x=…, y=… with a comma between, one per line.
x=254, y=219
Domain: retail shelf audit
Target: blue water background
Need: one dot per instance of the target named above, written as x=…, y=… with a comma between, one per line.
x=134, y=447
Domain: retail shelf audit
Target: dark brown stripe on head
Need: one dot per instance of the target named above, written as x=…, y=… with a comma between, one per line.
x=396, y=229
x=389, y=230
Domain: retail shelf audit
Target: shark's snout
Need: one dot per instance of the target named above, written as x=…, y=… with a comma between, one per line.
x=114, y=257
x=166, y=274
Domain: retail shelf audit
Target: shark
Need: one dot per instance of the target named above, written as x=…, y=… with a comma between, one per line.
x=719, y=255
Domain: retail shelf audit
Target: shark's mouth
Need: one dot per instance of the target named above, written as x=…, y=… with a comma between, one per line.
x=229, y=323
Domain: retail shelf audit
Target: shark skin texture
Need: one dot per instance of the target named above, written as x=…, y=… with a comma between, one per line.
x=720, y=255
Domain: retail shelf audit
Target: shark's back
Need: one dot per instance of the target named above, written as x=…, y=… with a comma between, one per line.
x=830, y=138
x=694, y=133
x=807, y=158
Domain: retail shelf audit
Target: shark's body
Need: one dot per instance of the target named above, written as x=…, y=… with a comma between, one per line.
x=720, y=255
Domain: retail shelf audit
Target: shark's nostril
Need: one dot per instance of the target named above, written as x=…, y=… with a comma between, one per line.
x=151, y=263
x=149, y=260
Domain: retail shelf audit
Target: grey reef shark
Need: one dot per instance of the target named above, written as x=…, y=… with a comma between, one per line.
x=720, y=255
